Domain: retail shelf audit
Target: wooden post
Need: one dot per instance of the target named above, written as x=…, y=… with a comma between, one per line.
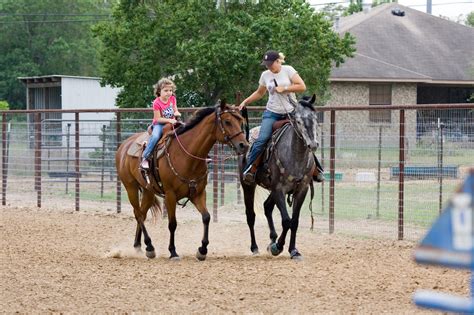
x=102, y=164
x=76, y=132
x=401, y=178
x=379, y=167
x=37, y=122
x=4, y=159
x=68, y=146
x=239, y=193
x=222, y=168
x=118, y=184
x=332, y=165
x=215, y=175
x=322, y=164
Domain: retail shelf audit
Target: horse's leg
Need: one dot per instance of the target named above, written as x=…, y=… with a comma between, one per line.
x=200, y=202
x=249, y=197
x=170, y=201
x=133, y=197
x=269, y=205
x=298, y=200
x=147, y=200
x=279, y=198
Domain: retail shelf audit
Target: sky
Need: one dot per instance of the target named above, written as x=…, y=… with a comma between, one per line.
x=453, y=9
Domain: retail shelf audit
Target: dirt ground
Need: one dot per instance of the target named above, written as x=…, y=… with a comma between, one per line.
x=56, y=261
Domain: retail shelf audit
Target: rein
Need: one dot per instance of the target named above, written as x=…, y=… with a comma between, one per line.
x=192, y=183
x=186, y=151
x=227, y=139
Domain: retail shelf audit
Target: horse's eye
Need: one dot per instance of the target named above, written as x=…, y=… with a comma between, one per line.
x=227, y=122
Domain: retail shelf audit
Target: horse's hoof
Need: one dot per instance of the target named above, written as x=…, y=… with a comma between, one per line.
x=150, y=254
x=255, y=252
x=138, y=249
x=200, y=256
x=273, y=249
x=295, y=255
x=175, y=258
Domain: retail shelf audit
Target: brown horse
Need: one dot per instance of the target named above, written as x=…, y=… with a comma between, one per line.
x=182, y=169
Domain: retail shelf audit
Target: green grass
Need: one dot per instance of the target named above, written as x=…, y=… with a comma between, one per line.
x=353, y=201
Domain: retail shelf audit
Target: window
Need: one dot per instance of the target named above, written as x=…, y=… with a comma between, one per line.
x=380, y=94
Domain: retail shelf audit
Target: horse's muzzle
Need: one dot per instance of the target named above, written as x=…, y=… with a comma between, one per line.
x=241, y=147
x=313, y=146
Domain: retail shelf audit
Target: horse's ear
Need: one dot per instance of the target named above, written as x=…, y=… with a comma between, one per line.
x=223, y=104
x=313, y=99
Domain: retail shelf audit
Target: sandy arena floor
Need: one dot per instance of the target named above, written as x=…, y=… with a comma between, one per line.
x=63, y=261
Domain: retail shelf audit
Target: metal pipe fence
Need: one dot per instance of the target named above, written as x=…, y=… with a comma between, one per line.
x=383, y=178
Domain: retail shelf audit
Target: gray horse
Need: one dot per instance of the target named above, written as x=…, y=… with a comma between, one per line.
x=286, y=173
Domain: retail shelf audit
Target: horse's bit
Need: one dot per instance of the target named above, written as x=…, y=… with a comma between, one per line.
x=227, y=139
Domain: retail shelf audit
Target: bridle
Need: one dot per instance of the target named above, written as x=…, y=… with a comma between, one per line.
x=192, y=183
x=227, y=138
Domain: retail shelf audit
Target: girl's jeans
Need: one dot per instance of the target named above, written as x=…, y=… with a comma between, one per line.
x=155, y=136
x=268, y=119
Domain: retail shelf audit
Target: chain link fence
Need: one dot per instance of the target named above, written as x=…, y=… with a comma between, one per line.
x=387, y=178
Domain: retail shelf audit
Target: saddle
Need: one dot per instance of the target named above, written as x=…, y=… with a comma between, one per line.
x=152, y=176
x=277, y=130
x=136, y=149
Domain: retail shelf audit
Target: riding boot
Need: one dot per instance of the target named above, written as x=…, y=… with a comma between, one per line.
x=249, y=173
x=318, y=173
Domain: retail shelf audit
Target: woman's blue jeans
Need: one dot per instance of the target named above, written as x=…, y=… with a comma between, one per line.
x=268, y=119
x=155, y=136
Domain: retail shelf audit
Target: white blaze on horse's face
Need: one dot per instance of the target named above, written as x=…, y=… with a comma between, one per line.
x=307, y=125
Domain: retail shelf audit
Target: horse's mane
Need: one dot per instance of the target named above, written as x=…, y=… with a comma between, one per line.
x=195, y=119
x=305, y=101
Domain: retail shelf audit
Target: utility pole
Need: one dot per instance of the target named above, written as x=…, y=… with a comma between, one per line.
x=428, y=6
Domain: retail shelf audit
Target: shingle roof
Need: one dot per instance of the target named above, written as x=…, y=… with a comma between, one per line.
x=416, y=47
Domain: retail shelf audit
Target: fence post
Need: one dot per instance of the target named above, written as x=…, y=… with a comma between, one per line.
x=215, y=175
x=119, y=184
x=102, y=164
x=37, y=122
x=322, y=165
x=379, y=166
x=4, y=159
x=239, y=193
x=332, y=165
x=68, y=146
x=440, y=164
x=222, y=168
x=401, y=178
x=76, y=132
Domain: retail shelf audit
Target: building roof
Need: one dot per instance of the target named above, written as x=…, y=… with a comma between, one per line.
x=416, y=47
x=51, y=78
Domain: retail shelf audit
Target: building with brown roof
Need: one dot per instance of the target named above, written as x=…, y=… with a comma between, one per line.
x=404, y=56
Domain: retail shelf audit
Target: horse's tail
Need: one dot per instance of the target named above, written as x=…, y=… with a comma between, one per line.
x=156, y=209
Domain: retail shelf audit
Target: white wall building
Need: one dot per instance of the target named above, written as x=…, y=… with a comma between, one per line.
x=69, y=92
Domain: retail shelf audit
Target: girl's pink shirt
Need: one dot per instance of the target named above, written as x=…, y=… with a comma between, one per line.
x=166, y=109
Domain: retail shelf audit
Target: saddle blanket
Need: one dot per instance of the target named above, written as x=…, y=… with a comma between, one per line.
x=137, y=147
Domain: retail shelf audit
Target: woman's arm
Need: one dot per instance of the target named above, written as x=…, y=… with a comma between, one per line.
x=255, y=96
x=297, y=85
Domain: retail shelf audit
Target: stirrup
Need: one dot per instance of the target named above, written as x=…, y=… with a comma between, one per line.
x=145, y=165
x=248, y=175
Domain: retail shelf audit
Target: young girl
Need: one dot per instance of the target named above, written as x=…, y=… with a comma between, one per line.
x=165, y=111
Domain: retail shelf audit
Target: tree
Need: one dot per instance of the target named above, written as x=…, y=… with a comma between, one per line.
x=46, y=37
x=470, y=19
x=213, y=51
x=4, y=105
x=354, y=7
